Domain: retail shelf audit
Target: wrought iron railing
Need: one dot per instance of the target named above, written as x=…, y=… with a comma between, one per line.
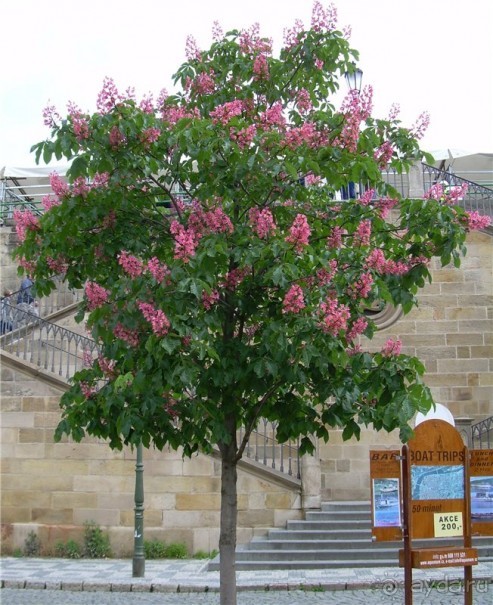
x=32, y=339
x=263, y=448
x=482, y=434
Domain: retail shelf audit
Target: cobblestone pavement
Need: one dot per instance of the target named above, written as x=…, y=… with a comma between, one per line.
x=28, y=581
x=446, y=595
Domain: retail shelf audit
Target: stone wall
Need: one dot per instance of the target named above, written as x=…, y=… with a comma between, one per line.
x=53, y=488
x=451, y=331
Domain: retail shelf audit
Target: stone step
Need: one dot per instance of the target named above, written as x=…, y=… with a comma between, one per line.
x=336, y=536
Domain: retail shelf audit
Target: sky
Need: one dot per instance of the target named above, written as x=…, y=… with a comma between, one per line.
x=424, y=55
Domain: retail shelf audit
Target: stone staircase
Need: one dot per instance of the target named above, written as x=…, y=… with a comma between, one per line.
x=336, y=536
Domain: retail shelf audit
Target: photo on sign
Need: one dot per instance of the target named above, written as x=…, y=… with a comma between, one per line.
x=386, y=503
x=437, y=482
x=482, y=498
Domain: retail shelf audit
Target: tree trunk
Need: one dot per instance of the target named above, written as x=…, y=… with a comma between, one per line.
x=227, y=537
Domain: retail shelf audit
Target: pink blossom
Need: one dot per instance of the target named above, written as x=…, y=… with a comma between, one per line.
x=25, y=220
x=96, y=295
x=262, y=222
x=204, y=84
x=421, y=125
x=326, y=275
x=59, y=186
x=243, y=137
x=474, y=220
x=384, y=154
x=109, y=97
x=159, y=322
x=363, y=233
x=186, y=241
x=131, y=337
x=366, y=197
x=57, y=265
x=251, y=42
x=334, y=317
x=292, y=36
x=107, y=366
x=131, y=265
x=260, y=68
x=299, y=232
x=323, y=20
x=147, y=104
x=87, y=390
x=385, y=205
x=358, y=327
x=50, y=116
x=356, y=107
x=293, y=300
x=209, y=300
x=80, y=124
x=100, y=180
x=391, y=347
x=362, y=287
x=87, y=359
x=172, y=114
x=312, y=179
x=273, y=116
x=149, y=136
x=303, y=101
x=222, y=114
x=158, y=270
x=49, y=201
x=335, y=238
x=234, y=278
x=217, y=31
x=109, y=221
x=394, y=112
x=218, y=221
x=192, y=51
x=116, y=137
x=80, y=187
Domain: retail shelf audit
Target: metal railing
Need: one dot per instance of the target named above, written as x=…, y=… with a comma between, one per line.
x=482, y=434
x=263, y=448
x=60, y=351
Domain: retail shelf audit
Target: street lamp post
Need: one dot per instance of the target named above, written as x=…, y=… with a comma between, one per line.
x=138, y=563
x=354, y=78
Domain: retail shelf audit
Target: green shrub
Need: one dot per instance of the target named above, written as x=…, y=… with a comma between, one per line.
x=96, y=542
x=202, y=554
x=70, y=549
x=32, y=545
x=176, y=551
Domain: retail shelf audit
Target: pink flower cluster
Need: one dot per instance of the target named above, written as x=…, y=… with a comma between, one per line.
x=173, y=114
x=57, y=265
x=109, y=97
x=234, y=278
x=421, y=125
x=131, y=264
x=251, y=42
x=49, y=201
x=324, y=19
x=262, y=222
x=477, y=221
x=80, y=124
x=299, y=233
x=335, y=238
x=326, y=275
x=243, y=137
x=209, y=300
x=391, y=347
x=260, y=67
x=384, y=154
x=107, y=366
x=192, y=51
x=442, y=192
x=293, y=301
x=159, y=322
x=303, y=101
x=361, y=287
x=116, y=137
x=25, y=220
x=363, y=233
x=203, y=83
x=149, y=136
x=385, y=205
x=80, y=187
x=358, y=327
x=356, y=107
x=131, y=337
x=158, y=270
x=96, y=295
x=291, y=37
x=273, y=117
x=50, y=116
x=376, y=260
x=222, y=114
x=335, y=317
x=307, y=134
x=87, y=390
x=59, y=186
x=186, y=241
